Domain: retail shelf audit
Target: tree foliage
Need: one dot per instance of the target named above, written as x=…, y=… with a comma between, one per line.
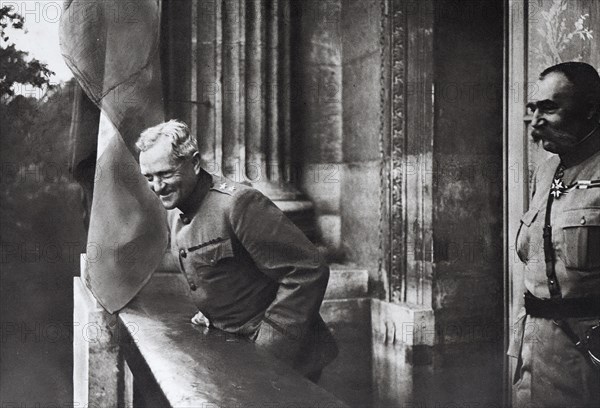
x=40, y=204
x=8, y=17
x=39, y=200
x=14, y=66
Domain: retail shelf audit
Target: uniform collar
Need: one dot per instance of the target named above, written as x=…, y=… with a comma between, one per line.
x=584, y=151
x=192, y=203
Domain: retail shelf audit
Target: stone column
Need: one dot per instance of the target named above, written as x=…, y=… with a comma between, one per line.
x=229, y=78
x=316, y=97
x=98, y=374
x=273, y=91
x=232, y=57
x=441, y=317
x=268, y=81
x=255, y=92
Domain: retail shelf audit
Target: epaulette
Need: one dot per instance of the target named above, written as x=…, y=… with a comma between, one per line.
x=583, y=185
x=224, y=187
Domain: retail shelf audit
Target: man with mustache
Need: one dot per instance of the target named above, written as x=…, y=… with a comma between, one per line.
x=557, y=335
x=250, y=270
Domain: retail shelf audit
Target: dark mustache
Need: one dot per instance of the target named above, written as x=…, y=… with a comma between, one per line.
x=536, y=135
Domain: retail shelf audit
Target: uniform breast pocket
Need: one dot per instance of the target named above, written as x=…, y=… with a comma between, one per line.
x=523, y=240
x=581, y=238
x=214, y=253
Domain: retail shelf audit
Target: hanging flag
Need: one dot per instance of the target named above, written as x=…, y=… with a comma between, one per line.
x=83, y=148
x=112, y=47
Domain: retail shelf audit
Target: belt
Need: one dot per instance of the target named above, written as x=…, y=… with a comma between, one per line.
x=562, y=308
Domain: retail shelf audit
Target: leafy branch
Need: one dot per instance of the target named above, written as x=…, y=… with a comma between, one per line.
x=14, y=66
x=557, y=37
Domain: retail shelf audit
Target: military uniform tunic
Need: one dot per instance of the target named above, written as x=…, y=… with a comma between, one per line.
x=551, y=371
x=251, y=271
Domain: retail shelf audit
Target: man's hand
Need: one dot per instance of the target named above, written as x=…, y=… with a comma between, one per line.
x=200, y=320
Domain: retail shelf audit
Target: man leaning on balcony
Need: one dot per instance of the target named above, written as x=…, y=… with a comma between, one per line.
x=250, y=270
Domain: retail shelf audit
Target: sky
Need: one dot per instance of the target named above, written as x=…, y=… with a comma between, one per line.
x=41, y=37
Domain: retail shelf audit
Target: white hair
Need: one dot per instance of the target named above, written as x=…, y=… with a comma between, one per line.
x=183, y=145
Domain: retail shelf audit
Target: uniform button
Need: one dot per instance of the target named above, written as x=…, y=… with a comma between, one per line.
x=182, y=253
x=193, y=286
x=582, y=221
x=552, y=282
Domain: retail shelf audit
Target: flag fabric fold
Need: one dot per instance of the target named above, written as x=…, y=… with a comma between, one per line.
x=112, y=48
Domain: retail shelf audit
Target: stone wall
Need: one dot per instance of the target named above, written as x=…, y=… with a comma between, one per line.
x=362, y=119
x=467, y=199
x=317, y=112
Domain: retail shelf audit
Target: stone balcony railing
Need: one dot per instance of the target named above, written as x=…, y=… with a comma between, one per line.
x=151, y=355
